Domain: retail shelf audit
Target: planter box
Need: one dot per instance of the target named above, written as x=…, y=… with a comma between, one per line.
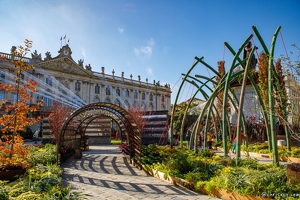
x=162, y=176
x=9, y=175
x=229, y=195
x=220, y=193
x=293, y=173
x=183, y=183
x=294, y=160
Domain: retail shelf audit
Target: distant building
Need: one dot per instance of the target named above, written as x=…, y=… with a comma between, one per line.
x=251, y=106
x=62, y=79
x=195, y=101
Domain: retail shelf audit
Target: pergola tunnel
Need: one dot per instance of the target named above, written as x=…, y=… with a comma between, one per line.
x=74, y=128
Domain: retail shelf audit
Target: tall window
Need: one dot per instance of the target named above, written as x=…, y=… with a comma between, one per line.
x=49, y=81
x=107, y=91
x=127, y=104
x=151, y=97
x=118, y=92
x=127, y=93
x=39, y=98
x=135, y=95
x=15, y=98
x=2, y=76
x=144, y=106
x=135, y=104
x=1, y=95
x=22, y=76
x=77, y=86
x=47, y=100
x=143, y=96
x=97, y=89
x=163, y=98
x=118, y=102
x=151, y=106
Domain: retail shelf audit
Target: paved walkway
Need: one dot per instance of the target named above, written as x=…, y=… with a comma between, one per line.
x=103, y=173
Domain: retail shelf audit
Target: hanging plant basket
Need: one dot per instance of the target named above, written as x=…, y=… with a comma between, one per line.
x=293, y=173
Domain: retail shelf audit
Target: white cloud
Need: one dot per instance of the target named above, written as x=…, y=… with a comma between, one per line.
x=149, y=71
x=83, y=52
x=121, y=30
x=145, y=51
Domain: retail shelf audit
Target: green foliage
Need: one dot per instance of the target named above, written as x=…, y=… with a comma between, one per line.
x=152, y=154
x=249, y=163
x=3, y=193
x=42, y=181
x=45, y=155
x=210, y=171
x=253, y=182
x=262, y=148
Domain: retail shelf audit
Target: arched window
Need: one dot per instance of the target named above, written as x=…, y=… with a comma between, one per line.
x=97, y=89
x=135, y=104
x=151, y=106
x=143, y=96
x=77, y=86
x=127, y=104
x=127, y=93
x=117, y=102
x=135, y=95
x=96, y=99
x=107, y=100
x=144, y=106
x=107, y=90
x=151, y=97
x=118, y=92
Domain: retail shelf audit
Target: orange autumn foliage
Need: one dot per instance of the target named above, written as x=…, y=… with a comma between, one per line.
x=17, y=112
x=57, y=117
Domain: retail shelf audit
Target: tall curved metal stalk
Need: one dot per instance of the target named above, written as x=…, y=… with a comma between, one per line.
x=176, y=99
x=227, y=85
x=276, y=75
x=271, y=99
x=241, y=104
x=259, y=97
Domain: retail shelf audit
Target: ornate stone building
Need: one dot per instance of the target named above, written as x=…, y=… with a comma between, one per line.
x=62, y=79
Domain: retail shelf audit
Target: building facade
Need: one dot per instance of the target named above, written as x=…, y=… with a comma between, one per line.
x=62, y=79
x=252, y=110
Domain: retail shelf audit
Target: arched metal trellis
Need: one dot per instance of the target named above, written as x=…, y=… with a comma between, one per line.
x=75, y=125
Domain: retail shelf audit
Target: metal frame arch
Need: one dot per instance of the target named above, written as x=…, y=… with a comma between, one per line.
x=95, y=110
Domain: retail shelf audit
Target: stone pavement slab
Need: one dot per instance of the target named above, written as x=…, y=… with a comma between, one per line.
x=103, y=173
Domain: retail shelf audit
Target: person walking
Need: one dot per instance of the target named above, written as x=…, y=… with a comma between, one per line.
x=35, y=136
x=188, y=137
x=209, y=140
x=234, y=142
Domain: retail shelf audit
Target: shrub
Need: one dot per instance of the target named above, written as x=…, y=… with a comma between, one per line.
x=45, y=155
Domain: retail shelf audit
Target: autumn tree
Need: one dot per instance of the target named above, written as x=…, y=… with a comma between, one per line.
x=17, y=112
x=57, y=117
x=137, y=112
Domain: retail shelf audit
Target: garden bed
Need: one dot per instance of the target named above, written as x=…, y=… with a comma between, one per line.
x=217, y=192
x=261, y=155
x=215, y=175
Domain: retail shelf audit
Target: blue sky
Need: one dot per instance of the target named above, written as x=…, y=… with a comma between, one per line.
x=156, y=39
